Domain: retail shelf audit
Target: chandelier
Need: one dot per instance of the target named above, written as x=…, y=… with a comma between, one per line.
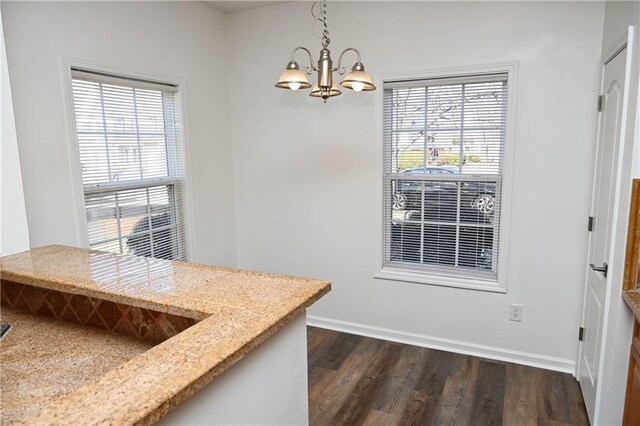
x=293, y=78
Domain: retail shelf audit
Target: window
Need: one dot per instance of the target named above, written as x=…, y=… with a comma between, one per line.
x=128, y=135
x=443, y=168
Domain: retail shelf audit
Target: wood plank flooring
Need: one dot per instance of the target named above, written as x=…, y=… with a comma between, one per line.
x=355, y=380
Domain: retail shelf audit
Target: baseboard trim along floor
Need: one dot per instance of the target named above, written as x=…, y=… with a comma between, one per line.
x=500, y=354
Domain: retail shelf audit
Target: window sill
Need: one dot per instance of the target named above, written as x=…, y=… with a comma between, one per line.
x=422, y=278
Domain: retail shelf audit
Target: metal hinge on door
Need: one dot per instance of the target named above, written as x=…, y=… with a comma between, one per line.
x=600, y=103
x=581, y=333
x=590, y=224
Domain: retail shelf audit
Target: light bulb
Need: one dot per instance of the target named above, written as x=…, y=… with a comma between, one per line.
x=296, y=86
x=357, y=86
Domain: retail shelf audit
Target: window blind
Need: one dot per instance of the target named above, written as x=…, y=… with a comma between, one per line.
x=443, y=165
x=129, y=144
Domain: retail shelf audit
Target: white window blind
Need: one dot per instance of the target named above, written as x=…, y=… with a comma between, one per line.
x=443, y=167
x=130, y=154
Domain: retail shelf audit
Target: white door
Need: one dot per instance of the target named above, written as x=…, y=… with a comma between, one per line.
x=609, y=130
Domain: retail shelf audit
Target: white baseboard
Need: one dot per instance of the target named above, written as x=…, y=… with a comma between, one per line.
x=500, y=354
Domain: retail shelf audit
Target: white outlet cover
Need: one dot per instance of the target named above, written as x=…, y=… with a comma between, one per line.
x=515, y=313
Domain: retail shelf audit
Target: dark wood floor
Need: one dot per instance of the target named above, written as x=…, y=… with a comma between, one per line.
x=356, y=380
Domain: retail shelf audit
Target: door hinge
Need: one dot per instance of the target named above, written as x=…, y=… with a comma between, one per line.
x=590, y=224
x=600, y=101
x=581, y=333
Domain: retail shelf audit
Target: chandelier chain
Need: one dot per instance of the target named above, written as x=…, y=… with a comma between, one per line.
x=325, y=33
x=323, y=19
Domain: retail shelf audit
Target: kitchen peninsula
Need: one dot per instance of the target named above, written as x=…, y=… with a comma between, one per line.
x=163, y=333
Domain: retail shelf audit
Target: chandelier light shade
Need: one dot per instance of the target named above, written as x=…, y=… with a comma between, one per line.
x=294, y=78
x=358, y=80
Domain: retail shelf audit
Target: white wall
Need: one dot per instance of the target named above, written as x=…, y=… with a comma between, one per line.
x=268, y=386
x=619, y=319
x=303, y=171
x=14, y=231
x=618, y=16
x=185, y=41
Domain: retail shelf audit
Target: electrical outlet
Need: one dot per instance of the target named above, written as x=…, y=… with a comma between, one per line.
x=515, y=314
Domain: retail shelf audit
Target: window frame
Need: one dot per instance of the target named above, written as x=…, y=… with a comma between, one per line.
x=82, y=237
x=422, y=277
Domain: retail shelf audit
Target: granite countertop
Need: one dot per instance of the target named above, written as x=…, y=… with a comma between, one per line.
x=632, y=297
x=35, y=369
x=236, y=310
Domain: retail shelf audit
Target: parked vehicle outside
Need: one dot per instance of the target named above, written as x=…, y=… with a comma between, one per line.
x=157, y=242
x=448, y=222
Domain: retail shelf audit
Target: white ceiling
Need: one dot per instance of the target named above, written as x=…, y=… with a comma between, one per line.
x=234, y=6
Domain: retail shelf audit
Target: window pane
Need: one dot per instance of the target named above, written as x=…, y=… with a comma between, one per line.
x=478, y=202
x=93, y=158
x=405, y=242
x=150, y=111
x=484, y=105
x=102, y=221
x=150, y=210
x=119, y=109
x=444, y=107
x=408, y=150
x=124, y=157
x=409, y=109
x=483, y=151
x=441, y=201
x=163, y=241
x=444, y=149
x=134, y=211
x=476, y=247
x=154, y=156
x=440, y=245
x=409, y=192
x=88, y=107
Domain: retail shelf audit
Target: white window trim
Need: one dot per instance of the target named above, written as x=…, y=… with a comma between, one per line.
x=66, y=64
x=395, y=274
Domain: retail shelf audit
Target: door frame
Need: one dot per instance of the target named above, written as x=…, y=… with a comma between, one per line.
x=605, y=402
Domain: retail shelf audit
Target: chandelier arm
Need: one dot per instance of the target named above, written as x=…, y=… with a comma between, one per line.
x=341, y=70
x=310, y=69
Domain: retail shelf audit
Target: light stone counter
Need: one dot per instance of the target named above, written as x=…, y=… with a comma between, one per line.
x=234, y=311
x=42, y=358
